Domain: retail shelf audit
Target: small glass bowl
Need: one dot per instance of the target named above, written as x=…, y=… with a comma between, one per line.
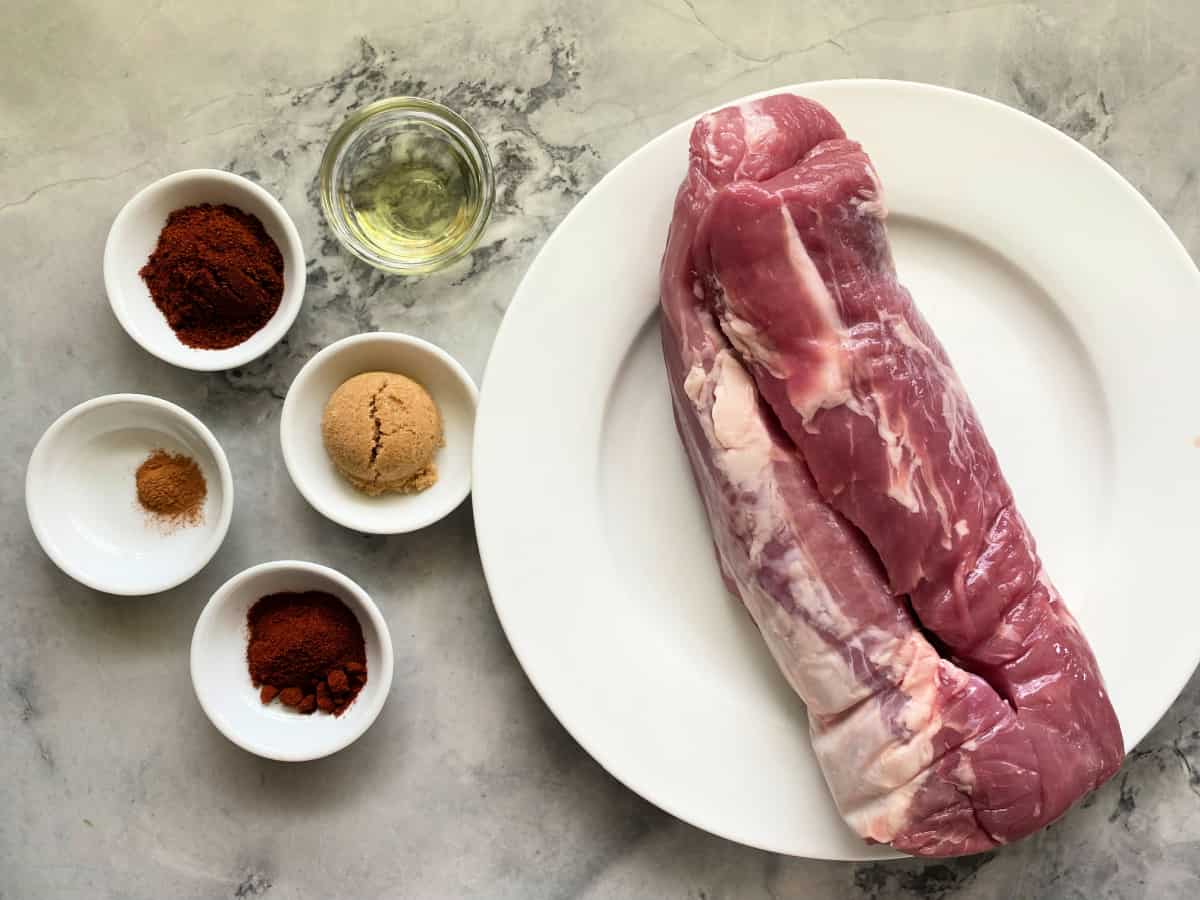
x=424, y=134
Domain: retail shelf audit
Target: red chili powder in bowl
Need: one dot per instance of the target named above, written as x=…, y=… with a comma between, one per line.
x=215, y=274
x=307, y=649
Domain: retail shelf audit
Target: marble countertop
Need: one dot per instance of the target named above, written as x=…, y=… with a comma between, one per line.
x=114, y=784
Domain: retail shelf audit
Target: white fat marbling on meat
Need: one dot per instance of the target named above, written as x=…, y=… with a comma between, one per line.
x=955, y=405
x=956, y=410
x=736, y=425
x=871, y=202
x=870, y=763
x=830, y=386
x=717, y=158
x=814, y=649
x=694, y=382
x=812, y=665
x=819, y=673
x=755, y=125
x=875, y=752
x=902, y=465
x=756, y=128
x=885, y=816
x=874, y=772
x=724, y=400
x=939, y=503
x=963, y=774
x=750, y=343
x=814, y=286
x=833, y=389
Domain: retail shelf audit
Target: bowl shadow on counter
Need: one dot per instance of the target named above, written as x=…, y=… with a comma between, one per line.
x=448, y=541
x=150, y=624
x=287, y=788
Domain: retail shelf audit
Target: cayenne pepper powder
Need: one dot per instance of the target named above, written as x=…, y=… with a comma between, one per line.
x=171, y=487
x=215, y=274
x=307, y=649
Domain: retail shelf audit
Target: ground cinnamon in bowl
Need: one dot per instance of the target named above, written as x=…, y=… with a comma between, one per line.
x=307, y=650
x=171, y=488
x=215, y=274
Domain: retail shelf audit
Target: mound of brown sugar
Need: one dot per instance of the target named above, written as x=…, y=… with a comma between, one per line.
x=382, y=431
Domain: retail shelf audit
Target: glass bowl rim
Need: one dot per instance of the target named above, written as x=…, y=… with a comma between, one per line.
x=423, y=109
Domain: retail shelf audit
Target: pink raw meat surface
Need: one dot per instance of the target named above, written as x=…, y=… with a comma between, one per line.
x=856, y=506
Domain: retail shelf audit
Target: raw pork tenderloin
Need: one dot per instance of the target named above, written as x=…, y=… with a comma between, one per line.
x=856, y=506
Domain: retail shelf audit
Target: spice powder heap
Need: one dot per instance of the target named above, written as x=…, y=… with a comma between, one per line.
x=307, y=649
x=171, y=488
x=215, y=274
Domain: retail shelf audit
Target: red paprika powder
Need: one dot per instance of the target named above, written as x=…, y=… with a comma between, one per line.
x=215, y=274
x=307, y=649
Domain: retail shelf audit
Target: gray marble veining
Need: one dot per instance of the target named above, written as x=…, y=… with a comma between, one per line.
x=113, y=783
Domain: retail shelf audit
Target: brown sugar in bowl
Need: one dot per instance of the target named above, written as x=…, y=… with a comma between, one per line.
x=306, y=455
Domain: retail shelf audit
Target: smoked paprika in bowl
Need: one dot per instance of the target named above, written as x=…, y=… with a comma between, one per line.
x=221, y=668
x=236, y=210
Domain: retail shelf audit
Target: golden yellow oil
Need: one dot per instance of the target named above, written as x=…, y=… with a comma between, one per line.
x=414, y=198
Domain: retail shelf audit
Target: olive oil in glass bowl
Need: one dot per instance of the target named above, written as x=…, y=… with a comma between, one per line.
x=407, y=185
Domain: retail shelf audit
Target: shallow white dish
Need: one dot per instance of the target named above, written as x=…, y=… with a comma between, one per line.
x=134, y=234
x=81, y=495
x=222, y=681
x=304, y=452
x=1070, y=310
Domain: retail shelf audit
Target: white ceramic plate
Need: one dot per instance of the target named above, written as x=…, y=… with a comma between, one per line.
x=1071, y=313
x=222, y=682
x=304, y=450
x=81, y=494
x=134, y=235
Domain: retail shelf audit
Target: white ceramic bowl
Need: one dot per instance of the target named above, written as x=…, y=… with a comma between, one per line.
x=304, y=452
x=132, y=239
x=222, y=681
x=81, y=495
